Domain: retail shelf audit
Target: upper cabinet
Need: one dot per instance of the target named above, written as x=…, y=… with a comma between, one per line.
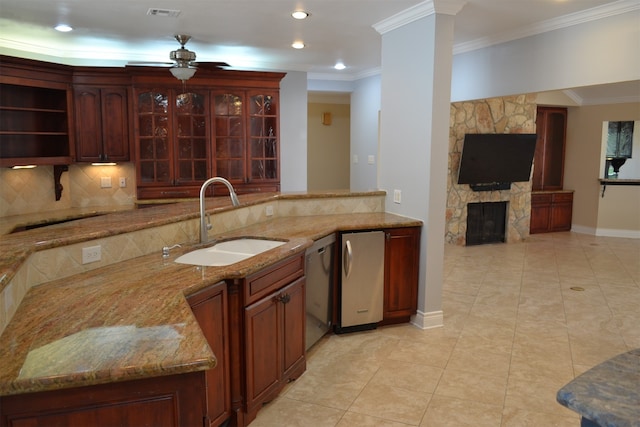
x=102, y=124
x=548, y=170
x=35, y=113
x=245, y=140
x=102, y=114
x=222, y=123
x=172, y=149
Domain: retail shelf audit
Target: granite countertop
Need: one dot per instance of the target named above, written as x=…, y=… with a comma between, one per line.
x=131, y=320
x=607, y=394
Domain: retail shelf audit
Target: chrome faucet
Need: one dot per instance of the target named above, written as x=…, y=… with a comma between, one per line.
x=204, y=237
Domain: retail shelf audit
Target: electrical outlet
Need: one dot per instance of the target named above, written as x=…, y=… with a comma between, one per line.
x=91, y=254
x=105, y=182
x=371, y=159
x=269, y=210
x=123, y=182
x=397, y=196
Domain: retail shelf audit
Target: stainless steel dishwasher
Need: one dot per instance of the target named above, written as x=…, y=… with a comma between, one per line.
x=362, y=284
x=319, y=272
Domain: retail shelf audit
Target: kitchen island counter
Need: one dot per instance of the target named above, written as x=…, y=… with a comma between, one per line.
x=131, y=320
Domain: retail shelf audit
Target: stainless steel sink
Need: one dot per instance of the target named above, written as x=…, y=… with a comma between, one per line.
x=228, y=252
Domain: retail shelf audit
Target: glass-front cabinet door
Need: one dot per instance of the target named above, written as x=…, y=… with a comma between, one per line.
x=172, y=133
x=154, y=137
x=192, y=149
x=229, y=136
x=263, y=137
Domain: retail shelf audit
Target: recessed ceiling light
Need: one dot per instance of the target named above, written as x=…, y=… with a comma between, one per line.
x=300, y=14
x=297, y=45
x=63, y=28
x=339, y=66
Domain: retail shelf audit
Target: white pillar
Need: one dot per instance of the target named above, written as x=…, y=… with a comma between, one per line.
x=417, y=53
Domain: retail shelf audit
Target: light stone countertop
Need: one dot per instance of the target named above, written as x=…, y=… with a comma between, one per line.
x=131, y=320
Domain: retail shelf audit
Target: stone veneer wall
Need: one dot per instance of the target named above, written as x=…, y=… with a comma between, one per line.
x=514, y=114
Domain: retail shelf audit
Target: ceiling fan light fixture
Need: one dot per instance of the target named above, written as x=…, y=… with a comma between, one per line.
x=183, y=72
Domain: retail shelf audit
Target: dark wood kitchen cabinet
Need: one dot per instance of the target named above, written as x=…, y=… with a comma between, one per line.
x=101, y=123
x=172, y=149
x=274, y=343
x=548, y=170
x=225, y=124
x=36, y=120
x=210, y=309
x=401, y=265
x=551, y=211
x=267, y=334
x=245, y=139
x=171, y=401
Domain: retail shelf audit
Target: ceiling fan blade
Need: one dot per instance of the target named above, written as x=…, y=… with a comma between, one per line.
x=149, y=64
x=210, y=65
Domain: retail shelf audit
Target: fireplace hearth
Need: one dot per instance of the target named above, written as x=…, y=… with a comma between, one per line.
x=486, y=223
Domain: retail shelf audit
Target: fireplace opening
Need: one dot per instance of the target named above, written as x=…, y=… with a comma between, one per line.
x=486, y=223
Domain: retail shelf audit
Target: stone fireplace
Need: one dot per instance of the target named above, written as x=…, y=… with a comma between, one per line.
x=514, y=114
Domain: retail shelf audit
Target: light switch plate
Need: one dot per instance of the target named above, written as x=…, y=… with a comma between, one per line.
x=397, y=196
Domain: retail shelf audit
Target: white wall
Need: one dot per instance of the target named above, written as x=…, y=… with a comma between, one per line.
x=293, y=132
x=365, y=106
x=414, y=141
x=597, y=52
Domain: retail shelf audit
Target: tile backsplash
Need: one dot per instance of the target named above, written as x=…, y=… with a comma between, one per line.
x=28, y=191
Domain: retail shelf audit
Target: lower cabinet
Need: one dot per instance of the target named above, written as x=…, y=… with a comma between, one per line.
x=176, y=400
x=275, y=344
x=401, y=266
x=551, y=211
x=210, y=309
x=267, y=335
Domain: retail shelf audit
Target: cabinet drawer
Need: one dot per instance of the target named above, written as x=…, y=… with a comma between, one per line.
x=273, y=278
x=562, y=197
x=541, y=198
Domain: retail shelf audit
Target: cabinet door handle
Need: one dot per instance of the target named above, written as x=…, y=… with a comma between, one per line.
x=283, y=298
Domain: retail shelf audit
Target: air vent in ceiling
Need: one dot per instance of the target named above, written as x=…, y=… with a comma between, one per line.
x=163, y=12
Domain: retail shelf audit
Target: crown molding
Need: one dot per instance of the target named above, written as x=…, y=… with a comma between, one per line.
x=593, y=14
x=421, y=10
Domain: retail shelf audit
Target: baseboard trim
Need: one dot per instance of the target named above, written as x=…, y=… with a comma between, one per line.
x=612, y=232
x=606, y=232
x=432, y=319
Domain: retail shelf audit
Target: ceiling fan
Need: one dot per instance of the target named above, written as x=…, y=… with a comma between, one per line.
x=184, y=64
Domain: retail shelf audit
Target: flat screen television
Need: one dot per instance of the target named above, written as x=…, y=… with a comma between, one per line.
x=494, y=161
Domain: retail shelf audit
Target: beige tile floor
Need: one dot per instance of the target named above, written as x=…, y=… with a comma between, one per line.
x=514, y=333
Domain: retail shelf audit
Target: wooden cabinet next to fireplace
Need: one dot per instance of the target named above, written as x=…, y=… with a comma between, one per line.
x=551, y=211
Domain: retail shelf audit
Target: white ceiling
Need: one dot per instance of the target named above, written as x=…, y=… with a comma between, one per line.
x=257, y=34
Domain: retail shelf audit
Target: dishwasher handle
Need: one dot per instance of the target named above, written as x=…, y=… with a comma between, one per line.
x=347, y=258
